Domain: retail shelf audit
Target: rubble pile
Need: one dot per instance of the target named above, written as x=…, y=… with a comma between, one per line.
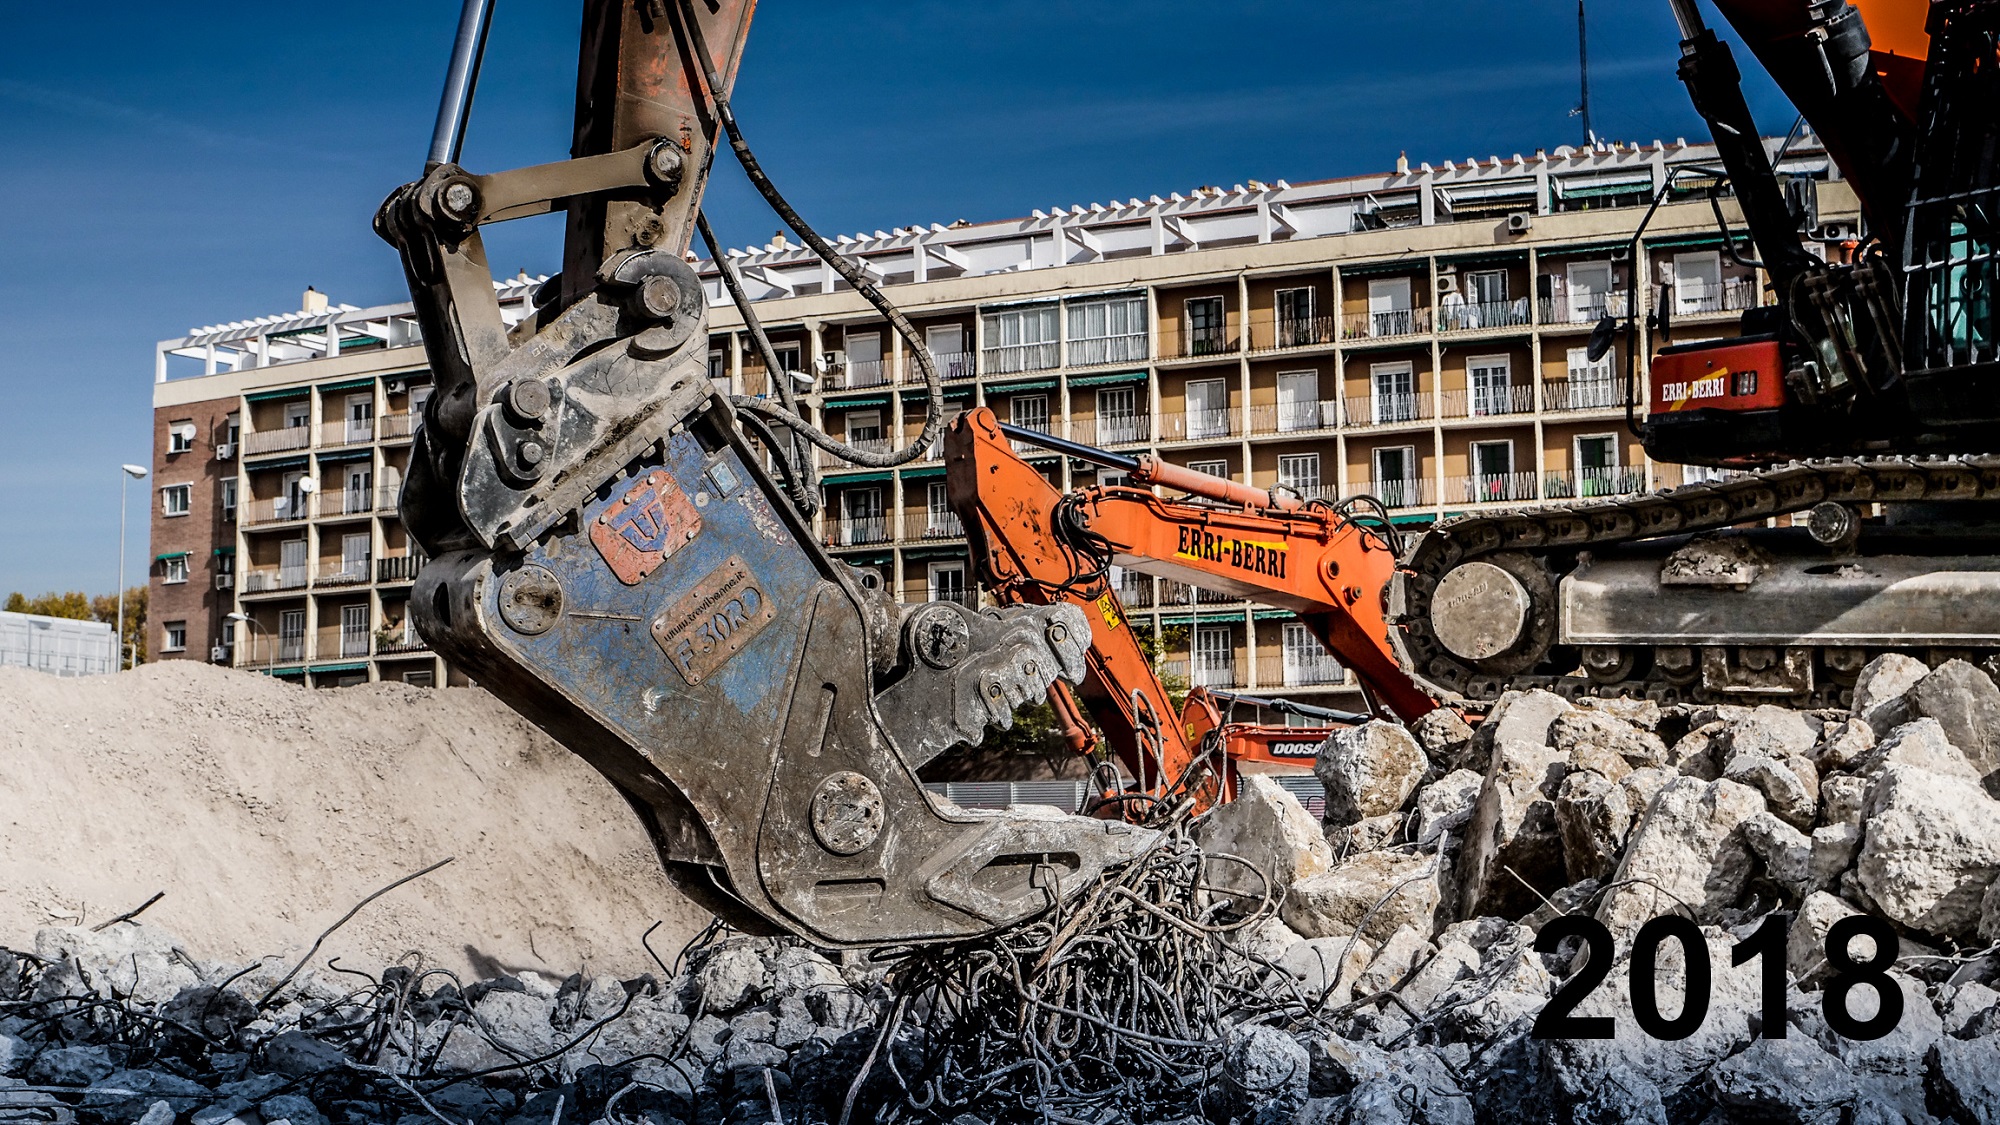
x=1388, y=965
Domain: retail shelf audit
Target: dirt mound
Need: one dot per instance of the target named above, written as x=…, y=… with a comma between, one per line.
x=266, y=810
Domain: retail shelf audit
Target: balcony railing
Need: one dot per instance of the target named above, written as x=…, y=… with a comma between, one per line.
x=346, y=572
x=1388, y=409
x=1206, y=671
x=1593, y=393
x=353, y=431
x=923, y=526
x=1195, y=425
x=856, y=531
x=1404, y=493
x=1012, y=359
x=347, y=502
x=1101, y=350
x=401, y=424
x=1482, y=316
x=1491, y=488
x=1294, y=668
x=1135, y=590
x=1294, y=417
x=1111, y=429
x=829, y=460
x=280, y=509
x=398, y=568
x=858, y=373
x=1583, y=308
x=355, y=642
x=1292, y=332
x=291, y=649
x=1191, y=343
x=276, y=441
x=396, y=643
x=1174, y=593
x=1387, y=324
x=1733, y=295
x=275, y=578
x=1573, y=484
x=950, y=365
x=1487, y=402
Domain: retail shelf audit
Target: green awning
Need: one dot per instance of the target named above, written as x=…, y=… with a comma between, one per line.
x=1276, y=615
x=1510, y=258
x=936, y=550
x=1011, y=388
x=225, y=550
x=921, y=395
x=856, y=478
x=1420, y=517
x=350, y=384
x=326, y=669
x=279, y=395
x=269, y=671
x=171, y=555
x=925, y=471
x=1600, y=190
x=282, y=463
x=1100, y=380
x=880, y=558
x=1400, y=266
x=336, y=458
x=1200, y=617
x=849, y=403
x=1683, y=241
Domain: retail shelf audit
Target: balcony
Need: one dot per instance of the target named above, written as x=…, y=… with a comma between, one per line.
x=1489, y=402
x=389, y=643
x=1702, y=299
x=1195, y=425
x=1174, y=593
x=1295, y=417
x=1193, y=343
x=950, y=365
x=1287, y=333
x=1596, y=392
x=280, y=509
x=395, y=427
x=1583, y=308
x=1483, y=316
x=1014, y=359
x=354, y=431
x=1134, y=590
x=925, y=527
x=398, y=568
x=1491, y=488
x=1386, y=325
x=275, y=578
x=830, y=460
x=856, y=374
x=346, y=572
x=1298, y=668
x=1404, y=493
x=1101, y=350
x=276, y=441
x=966, y=598
x=347, y=502
x=1575, y=484
x=1111, y=429
x=1028, y=448
x=856, y=531
x=1388, y=409
x=1207, y=671
x=354, y=642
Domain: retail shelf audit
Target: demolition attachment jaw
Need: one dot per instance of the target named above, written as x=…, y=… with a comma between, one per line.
x=611, y=557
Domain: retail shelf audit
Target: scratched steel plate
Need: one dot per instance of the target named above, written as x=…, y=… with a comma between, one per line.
x=707, y=626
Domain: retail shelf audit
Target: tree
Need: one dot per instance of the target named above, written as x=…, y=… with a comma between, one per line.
x=78, y=606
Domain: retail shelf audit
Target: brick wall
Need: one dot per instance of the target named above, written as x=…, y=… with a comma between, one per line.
x=195, y=602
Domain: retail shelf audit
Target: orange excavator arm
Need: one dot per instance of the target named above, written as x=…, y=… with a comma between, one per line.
x=1009, y=510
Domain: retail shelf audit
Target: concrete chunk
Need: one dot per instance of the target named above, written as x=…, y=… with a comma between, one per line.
x=1338, y=901
x=1930, y=849
x=1966, y=703
x=1513, y=823
x=1369, y=770
x=1879, y=690
x=1265, y=825
x=1687, y=850
x=1593, y=816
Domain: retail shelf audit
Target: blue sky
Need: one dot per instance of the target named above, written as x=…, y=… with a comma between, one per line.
x=169, y=166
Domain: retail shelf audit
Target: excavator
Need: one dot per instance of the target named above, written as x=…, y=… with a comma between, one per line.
x=624, y=554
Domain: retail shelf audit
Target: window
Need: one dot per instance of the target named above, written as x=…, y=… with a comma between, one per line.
x=864, y=426
x=355, y=498
x=420, y=679
x=947, y=347
x=788, y=357
x=1207, y=327
x=1698, y=282
x=175, y=499
x=1491, y=394
x=940, y=521
x=1591, y=385
x=226, y=497
x=354, y=556
x=354, y=630
x=232, y=429
x=1207, y=408
x=419, y=398
x=360, y=417
x=1118, y=415
x=176, y=639
x=1396, y=482
x=1493, y=472
x=1030, y=412
x=864, y=360
x=1298, y=402
x=1307, y=662
x=947, y=583
x=291, y=564
x=228, y=640
x=1487, y=289
x=292, y=500
x=1107, y=331
x=1212, y=468
x=1389, y=307
x=1214, y=658
x=297, y=414
x=1300, y=473
x=1296, y=327
x=1597, y=465
x=862, y=521
x=174, y=570
x=180, y=437
x=225, y=562
x=1395, y=397
x=718, y=367
x=1019, y=340
x=292, y=634
x=1589, y=291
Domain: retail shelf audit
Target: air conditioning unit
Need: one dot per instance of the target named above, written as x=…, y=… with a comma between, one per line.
x=1447, y=283
x=225, y=581
x=219, y=654
x=1520, y=222
x=1837, y=232
x=225, y=450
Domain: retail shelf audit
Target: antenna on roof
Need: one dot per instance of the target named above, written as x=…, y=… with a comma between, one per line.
x=1583, y=75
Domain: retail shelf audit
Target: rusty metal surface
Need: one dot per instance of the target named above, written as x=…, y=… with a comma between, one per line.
x=645, y=527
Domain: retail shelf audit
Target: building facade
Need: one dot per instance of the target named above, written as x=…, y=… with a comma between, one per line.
x=1419, y=336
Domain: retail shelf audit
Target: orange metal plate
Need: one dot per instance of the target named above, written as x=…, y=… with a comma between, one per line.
x=711, y=622
x=645, y=527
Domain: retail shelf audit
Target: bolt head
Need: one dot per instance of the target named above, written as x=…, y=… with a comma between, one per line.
x=659, y=297
x=528, y=398
x=459, y=199
x=532, y=453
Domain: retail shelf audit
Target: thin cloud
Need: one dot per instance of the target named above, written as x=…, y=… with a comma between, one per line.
x=90, y=107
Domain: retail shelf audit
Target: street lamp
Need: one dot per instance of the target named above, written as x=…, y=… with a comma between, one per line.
x=270, y=651
x=131, y=472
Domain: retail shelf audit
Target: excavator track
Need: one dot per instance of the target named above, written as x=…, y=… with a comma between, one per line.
x=1538, y=547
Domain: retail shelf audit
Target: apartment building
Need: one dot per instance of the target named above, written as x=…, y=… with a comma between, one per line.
x=1417, y=335
x=279, y=447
